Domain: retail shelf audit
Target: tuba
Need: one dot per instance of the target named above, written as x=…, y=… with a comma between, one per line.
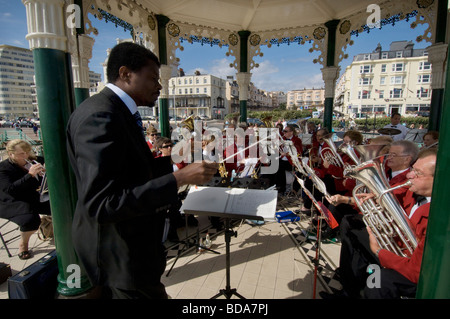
x=330, y=153
x=385, y=216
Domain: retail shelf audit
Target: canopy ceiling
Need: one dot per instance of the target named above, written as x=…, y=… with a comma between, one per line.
x=256, y=15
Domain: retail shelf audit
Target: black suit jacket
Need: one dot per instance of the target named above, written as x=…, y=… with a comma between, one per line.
x=18, y=195
x=122, y=197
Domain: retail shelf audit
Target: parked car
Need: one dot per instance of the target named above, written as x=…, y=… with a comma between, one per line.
x=7, y=124
x=423, y=113
x=255, y=121
x=148, y=118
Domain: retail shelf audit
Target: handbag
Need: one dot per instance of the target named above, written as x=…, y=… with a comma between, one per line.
x=45, y=231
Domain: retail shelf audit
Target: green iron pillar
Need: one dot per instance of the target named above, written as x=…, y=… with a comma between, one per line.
x=243, y=77
x=434, y=280
x=164, y=123
x=54, y=88
x=437, y=56
x=329, y=74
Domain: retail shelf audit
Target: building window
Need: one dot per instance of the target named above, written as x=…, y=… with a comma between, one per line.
x=364, y=94
x=204, y=80
x=399, y=54
x=396, y=93
x=380, y=93
x=424, y=78
x=365, y=81
x=197, y=90
x=384, y=55
x=366, y=56
x=424, y=66
x=383, y=80
x=383, y=68
x=205, y=90
x=396, y=79
x=423, y=92
x=397, y=67
x=365, y=69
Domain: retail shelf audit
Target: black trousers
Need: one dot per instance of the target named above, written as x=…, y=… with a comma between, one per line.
x=393, y=285
x=331, y=189
x=355, y=255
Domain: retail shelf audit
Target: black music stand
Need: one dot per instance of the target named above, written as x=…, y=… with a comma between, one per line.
x=228, y=292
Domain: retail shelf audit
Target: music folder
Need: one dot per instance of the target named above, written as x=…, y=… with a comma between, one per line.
x=231, y=202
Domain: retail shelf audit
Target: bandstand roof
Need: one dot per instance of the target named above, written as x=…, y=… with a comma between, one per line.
x=256, y=15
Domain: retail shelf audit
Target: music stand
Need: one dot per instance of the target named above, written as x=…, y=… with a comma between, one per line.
x=228, y=292
x=230, y=203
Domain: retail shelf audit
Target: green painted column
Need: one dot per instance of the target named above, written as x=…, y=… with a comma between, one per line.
x=437, y=93
x=329, y=74
x=56, y=102
x=434, y=280
x=55, y=96
x=243, y=68
x=81, y=94
x=164, y=123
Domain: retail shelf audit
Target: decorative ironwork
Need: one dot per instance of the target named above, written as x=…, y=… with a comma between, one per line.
x=233, y=39
x=319, y=33
x=422, y=4
x=345, y=27
x=202, y=40
x=254, y=39
x=151, y=22
x=173, y=29
x=388, y=20
x=117, y=22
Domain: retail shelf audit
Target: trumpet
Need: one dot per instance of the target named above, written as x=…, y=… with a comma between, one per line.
x=34, y=162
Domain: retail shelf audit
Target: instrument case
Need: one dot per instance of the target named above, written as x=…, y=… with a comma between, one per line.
x=37, y=281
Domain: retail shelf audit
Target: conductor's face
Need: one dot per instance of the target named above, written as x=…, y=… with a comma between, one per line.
x=143, y=85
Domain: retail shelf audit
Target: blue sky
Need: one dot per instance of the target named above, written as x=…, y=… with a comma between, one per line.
x=283, y=68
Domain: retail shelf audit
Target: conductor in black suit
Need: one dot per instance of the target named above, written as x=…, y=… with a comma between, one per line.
x=123, y=192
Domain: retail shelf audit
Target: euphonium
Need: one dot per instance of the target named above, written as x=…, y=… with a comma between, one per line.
x=331, y=156
x=384, y=215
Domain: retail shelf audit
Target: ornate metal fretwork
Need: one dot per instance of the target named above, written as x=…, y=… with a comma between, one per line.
x=391, y=11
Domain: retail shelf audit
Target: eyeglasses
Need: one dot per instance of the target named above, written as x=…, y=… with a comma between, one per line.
x=419, y=174
x=167, y=146
x=393, y=155
x=154, y=134
x=286, y=131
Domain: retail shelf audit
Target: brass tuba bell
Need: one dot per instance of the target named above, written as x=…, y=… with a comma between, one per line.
x=188, y=123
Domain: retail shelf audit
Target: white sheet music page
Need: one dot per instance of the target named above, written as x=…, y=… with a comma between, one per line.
x=231, y=202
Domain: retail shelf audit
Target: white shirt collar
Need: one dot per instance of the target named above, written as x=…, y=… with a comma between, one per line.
x=398, y=172
x=129, y=102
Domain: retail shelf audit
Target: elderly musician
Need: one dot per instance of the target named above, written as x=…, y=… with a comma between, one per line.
x=399, y=275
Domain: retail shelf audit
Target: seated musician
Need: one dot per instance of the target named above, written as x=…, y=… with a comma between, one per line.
x=430, y=139
x=356, y=250
x=317, y=164
x=285, y=163
x=399, y=275
x=344, y=186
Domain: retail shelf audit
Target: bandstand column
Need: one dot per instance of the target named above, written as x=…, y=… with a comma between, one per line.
x=164, y=123
x=243, y=77
x=243, y=80
x=80, y=64
x=437, y=54
x=330, y=74
x=434, y=280
x=53, y=75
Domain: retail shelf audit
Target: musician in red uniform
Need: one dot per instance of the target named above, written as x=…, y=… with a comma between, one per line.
x=399, y=275
x=355, y=252
x=285, y=163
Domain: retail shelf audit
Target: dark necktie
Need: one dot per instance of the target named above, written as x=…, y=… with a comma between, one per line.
x=420, y=200
x=138, y=119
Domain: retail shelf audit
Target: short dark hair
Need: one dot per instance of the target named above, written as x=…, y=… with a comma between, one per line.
x=394, y=114
x=131, y=55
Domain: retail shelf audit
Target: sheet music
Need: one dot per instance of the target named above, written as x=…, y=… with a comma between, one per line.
x=231, y=202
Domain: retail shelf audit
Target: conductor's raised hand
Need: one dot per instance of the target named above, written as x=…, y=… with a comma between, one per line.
x=196, y=173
